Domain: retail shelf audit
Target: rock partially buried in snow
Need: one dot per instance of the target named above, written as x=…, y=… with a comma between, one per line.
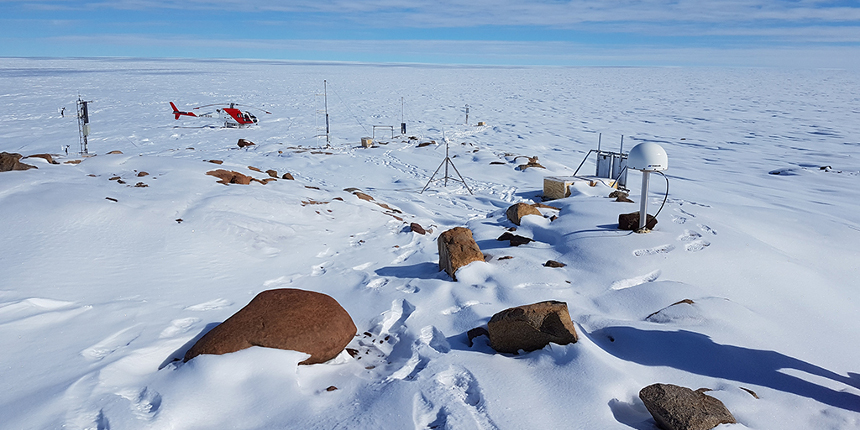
x=46, y=157
x=245, y=142
x=287, y=318
x=680, y=408
x=516, y=212
x=230, y=177
x=417, y=228
x=631, y=221
x=9, y=162
x=457, y=248
x=531, y=327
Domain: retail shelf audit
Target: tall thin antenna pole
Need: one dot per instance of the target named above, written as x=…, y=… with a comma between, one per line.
x=325, y=99
x=467, y=114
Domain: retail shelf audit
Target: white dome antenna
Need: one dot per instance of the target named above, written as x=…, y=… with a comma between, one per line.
x=646, y=157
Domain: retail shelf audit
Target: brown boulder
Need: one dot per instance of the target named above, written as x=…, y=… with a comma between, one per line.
x=531, y=327
x=288, y=177
x=417, y=228
x=230, y=177
x=9, y=161
x=46, y=157
x=516, y=212
x=680, y=408
x=115, y=152
x=514, y=239
x=244, y=142
x=363, y=196
x=287, y=318
x=272, y=172
x=457, y=248
x=553, y=263
x=631, y=221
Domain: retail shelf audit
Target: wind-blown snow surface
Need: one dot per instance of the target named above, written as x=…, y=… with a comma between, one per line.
x=98, y=297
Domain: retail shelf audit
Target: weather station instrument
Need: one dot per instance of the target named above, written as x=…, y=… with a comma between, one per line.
x=647, y=157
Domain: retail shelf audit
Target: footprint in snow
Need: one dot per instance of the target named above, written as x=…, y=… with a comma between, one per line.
x=662, y=249
x=638, y=280
x=697, y=245
x=707, y=229
x=679, y=210
x=376, y=283
x=689, y=236
x=465, y=305
x=112, y=343
x=211, y=305
x=178, y=326
x=453, y=399
x=678, y=219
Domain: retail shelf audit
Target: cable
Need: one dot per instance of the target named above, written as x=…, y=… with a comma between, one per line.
x=350, y=111
x=666, y=197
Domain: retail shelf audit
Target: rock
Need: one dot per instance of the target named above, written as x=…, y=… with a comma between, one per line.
x=116, y=152
x=533, y=162
x=516, y=212
x=457, y=248
x=363, y=196
x=680, y=408
x=553, y=263
x=9, y=162
x=142, y=174
x=417, y=228
x=423, y=144
x=620, y=196
x=497, y=163
x=531, y=327
x=256, y=169
x=244, y=142
x=288, y=177
x=631, y=221
x=515, y=239
x=216, y=161
x=475, y=332
x=230, y=177
x=46, y=157
x=272, y=172
x=286, y=318
x=140, y=185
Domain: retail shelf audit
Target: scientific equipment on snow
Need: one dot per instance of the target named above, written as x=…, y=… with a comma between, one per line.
x=83, y=123
x=446, y=162
x=647, y=157
x=611, y=165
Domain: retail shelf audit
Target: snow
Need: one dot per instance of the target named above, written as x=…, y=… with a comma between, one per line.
x=98, y=297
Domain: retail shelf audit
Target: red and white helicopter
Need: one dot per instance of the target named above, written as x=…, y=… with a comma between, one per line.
x=231, y=115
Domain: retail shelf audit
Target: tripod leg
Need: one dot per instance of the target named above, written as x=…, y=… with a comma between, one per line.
x=431, y=178
x=461, y=178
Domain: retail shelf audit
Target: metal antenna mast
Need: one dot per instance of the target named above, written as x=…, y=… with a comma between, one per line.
x=325, y=98
x=83, y=123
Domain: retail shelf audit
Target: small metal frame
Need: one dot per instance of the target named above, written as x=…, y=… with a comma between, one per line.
x=390, y=127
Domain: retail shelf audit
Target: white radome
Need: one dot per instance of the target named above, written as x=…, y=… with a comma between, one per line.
x=648, y=157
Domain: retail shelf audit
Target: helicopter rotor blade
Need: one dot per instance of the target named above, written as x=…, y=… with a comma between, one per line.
x=254, y=107
x=234, y=104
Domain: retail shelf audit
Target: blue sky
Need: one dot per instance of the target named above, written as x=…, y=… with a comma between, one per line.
x=757, y=33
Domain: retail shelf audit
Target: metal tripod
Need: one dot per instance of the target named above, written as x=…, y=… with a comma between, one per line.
x=446, y=163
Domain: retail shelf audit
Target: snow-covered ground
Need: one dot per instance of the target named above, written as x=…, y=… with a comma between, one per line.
x=97, y=297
